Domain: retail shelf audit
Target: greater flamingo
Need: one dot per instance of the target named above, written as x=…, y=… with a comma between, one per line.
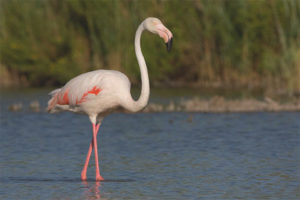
x=99, y=92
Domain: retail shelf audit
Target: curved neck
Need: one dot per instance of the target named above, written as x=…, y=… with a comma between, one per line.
x=145, y=92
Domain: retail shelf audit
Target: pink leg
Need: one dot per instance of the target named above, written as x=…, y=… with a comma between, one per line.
x=98, y=176
x=83, y=172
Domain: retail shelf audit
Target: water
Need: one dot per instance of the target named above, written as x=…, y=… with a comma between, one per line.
x=149, y=155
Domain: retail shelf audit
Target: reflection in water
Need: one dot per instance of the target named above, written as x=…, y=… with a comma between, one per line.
x=92, y=190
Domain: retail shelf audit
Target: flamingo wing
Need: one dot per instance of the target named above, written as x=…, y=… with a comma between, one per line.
x=108, y=85
x=77, y=91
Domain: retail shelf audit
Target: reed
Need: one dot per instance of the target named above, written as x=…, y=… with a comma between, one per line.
x=220, y=43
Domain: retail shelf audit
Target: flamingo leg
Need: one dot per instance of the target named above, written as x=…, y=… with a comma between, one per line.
x=98, y=176
x=83, y=172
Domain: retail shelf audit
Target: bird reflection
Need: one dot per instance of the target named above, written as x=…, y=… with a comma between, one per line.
x=92, y=190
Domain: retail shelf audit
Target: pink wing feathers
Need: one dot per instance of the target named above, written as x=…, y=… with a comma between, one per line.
x=78, y=90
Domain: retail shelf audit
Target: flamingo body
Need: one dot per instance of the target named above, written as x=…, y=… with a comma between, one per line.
x=94, y=93
x=99, y=92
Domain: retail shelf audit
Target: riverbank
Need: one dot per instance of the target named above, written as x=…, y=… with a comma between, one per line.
x=216, y=104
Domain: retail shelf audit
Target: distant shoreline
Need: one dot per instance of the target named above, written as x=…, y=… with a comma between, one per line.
x=218, y=104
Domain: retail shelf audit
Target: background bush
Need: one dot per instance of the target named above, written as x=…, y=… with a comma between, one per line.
x=230, y=43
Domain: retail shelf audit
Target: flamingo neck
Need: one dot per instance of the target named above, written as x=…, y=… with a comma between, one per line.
x=145, y=92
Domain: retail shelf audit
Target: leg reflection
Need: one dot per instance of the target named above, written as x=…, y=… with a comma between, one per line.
x=92, y=190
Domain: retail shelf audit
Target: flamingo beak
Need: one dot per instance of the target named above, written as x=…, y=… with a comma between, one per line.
x=164, y=33
x=169, y=44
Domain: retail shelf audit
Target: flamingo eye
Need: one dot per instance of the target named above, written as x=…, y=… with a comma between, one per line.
x=155, y=22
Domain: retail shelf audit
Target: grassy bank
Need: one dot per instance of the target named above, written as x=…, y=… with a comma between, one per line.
x=217, y=43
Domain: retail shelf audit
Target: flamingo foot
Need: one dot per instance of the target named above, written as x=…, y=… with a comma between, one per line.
x=83, y=177
x=99, y=178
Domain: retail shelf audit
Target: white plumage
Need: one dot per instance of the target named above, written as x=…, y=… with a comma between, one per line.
x=114, y=91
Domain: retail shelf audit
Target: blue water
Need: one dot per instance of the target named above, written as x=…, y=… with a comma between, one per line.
x=149, y=155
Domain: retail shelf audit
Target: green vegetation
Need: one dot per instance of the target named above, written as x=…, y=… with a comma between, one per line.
x=220, y=43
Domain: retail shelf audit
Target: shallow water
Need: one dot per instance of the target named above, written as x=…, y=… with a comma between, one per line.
x=148, y=155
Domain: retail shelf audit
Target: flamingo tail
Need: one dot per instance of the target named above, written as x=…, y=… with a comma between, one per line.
x=53, y=101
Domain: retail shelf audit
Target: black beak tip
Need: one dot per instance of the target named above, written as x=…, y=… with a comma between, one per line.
x=169, y=44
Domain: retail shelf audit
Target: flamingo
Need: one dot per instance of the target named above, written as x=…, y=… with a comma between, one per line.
x=98, y=93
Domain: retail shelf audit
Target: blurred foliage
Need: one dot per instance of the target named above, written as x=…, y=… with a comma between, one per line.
x=216, y=42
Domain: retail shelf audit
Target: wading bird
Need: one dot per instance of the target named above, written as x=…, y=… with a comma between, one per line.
x=99, y=92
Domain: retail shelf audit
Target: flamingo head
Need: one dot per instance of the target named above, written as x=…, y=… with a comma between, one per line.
x=155, y=26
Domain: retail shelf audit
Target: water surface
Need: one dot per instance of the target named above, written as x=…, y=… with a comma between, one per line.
x=148, y=155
